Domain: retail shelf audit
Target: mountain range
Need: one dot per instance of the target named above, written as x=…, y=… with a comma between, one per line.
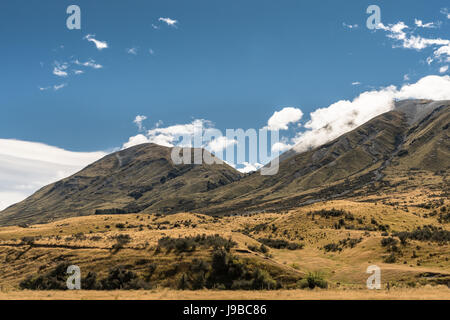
x=143, y=179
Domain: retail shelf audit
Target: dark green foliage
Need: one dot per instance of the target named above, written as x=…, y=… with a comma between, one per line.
x=330, y=213
x=230, y=273
x=387, y=242
x=53, y=280
x=426, y=233
x=189, y=244
x=391, y=258
x=90, y=282
x=281, y=244
x=313, y=280
x=110, y=211
x=120, y=278
x=345, y=243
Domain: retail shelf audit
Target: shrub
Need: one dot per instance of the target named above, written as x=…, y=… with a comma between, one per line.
x=120, y=278
x=280, y=244
x=189, y=244
x=313, y=280
x=390, y=259
x=426, y=233
x=53, y=280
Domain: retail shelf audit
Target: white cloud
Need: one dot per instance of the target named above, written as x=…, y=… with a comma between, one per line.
x=172, y=135
x=442, y=52
x=445, y=12
x=356, y=83
x=420, y=24
x=221, y=143
x=138, y=121
x=331, y=122
x=78, y=71
x=59, y=69
x=90, y=63
x=170, y=22
x=132, y=51
x=400, y=32
x=350, y=26
x=406, y=77
x=26, y=166
x=57, y=87
x=443, y=69
x=100, y=45
x=249, y=167
x=280, y=147
x=281, y=119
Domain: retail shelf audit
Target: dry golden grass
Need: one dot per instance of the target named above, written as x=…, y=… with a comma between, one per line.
x=57, y=242
x=426, y=293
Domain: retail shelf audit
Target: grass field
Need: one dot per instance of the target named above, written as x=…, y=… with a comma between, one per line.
x=426, y=293
x=420, y=269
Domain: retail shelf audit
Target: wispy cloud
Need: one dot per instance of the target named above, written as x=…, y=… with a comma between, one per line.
x=100, y=45
x=356, y=83
x=132, y=51
x=169, y=21
x=406, y=39
x=90, y=63
x=59, y=69
x=26, y=167
x=446, y=12
x=350, y=26
x=443, y=69
x=57, y=87
x=420, y=24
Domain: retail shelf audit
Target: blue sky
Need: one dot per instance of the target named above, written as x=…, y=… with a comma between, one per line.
x=294, y=65
x=233, y=63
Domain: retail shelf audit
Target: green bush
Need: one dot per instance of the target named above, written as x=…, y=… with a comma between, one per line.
x=313, y=280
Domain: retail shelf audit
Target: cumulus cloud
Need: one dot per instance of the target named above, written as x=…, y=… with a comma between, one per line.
x=171, y=135
x=280, y=147
x=328, y=123
x=247, y=167
x=170, y=22
x=280, y=120
x=26, y=166
x=220, y=143
x=443, y=69
x=138, y=121
x=100, y=45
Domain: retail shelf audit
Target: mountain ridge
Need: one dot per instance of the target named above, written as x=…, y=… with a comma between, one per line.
x=414, y=135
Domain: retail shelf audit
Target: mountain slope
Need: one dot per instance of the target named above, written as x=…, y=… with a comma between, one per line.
x=131, y=180
x=415, y=135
